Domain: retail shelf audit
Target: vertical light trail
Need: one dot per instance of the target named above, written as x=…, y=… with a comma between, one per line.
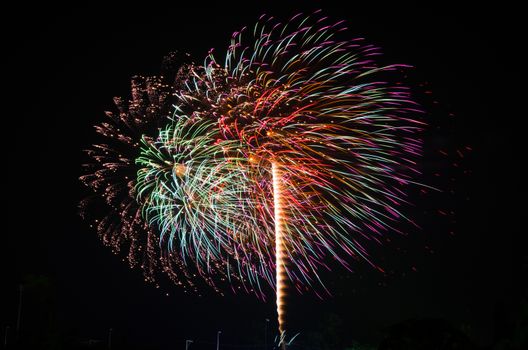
x=280, y=254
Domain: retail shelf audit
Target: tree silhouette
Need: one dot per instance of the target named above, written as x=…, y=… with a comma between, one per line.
x=425, y=334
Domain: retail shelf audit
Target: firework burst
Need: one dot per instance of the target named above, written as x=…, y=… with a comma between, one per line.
x=292, y=152
x=343, y=140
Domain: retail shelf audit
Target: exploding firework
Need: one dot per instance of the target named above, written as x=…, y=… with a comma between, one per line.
x=291, y=153
x=195, y=190
x=112, y=176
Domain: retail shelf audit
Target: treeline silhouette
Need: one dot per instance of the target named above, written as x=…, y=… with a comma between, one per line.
x=39, y=329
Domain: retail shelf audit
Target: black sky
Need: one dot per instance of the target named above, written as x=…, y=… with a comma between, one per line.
x=63, y=70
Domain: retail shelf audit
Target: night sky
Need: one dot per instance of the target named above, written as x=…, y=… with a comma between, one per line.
x=63, y=71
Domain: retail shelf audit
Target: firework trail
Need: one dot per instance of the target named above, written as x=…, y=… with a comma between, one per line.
x=280, y=249
x=291, y=153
